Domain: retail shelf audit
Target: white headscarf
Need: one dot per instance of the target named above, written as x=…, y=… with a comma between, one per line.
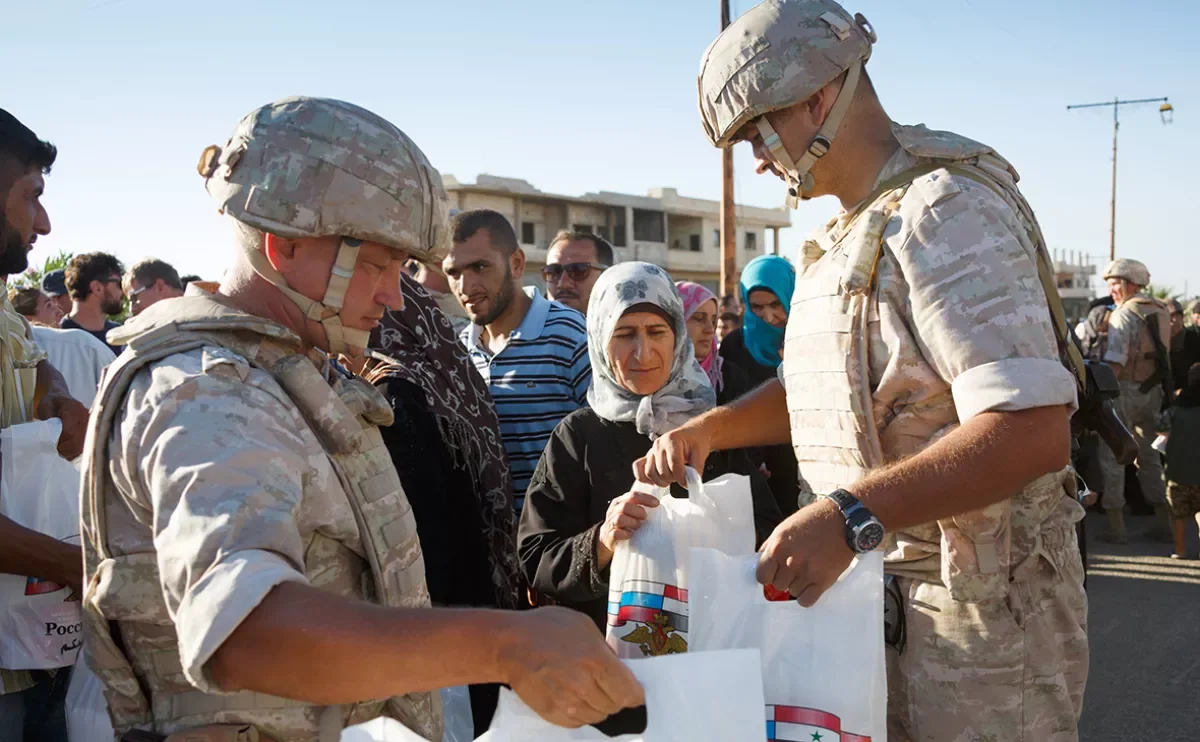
x=687, y=393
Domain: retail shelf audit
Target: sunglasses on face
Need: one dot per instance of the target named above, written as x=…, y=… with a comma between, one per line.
x=575, y=271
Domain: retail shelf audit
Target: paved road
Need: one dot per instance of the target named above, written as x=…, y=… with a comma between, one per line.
x=1144, y=624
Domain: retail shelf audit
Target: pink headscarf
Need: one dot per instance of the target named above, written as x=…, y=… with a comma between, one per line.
x=694, y=296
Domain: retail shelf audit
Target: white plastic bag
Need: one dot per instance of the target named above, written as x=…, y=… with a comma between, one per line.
x=458, y=721
x=40, y=622
x=648, y=581
x=823, y=667
x=709, y=697
x=382, y=729
x=87, y=711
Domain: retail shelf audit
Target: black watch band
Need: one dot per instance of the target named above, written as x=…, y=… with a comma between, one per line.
x=864, y=532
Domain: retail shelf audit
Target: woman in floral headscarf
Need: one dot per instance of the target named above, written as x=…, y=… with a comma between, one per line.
x=700, y=307
x=645, y=382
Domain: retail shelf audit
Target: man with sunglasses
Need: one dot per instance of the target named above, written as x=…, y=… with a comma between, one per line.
x=94, y=283
x=149, y=282
x=574, y=262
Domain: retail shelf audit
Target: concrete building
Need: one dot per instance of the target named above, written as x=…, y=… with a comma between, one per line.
x=678, y=233
x=1073, y=274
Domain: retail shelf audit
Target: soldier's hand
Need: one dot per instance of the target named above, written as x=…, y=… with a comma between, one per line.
x=668, y=459
x=558, y=664
x=806, y=553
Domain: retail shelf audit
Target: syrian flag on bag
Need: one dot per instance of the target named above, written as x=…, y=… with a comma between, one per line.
x=798, y=724
x=659, y=612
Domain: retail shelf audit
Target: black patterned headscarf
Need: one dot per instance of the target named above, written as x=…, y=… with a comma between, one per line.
x=418, y=345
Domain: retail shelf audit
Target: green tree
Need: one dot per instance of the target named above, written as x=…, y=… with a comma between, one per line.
x=33, y=275
x=1162, y=292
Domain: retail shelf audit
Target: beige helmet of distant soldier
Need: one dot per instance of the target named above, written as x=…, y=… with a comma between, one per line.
x=316, y=167
x=776, y=55
x=1133, y=271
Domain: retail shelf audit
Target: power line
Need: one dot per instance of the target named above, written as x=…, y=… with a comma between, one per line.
x=1166, y=111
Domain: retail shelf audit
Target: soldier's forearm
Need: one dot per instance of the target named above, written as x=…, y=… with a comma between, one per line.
x=758, y=419
x=987, y=459
x=309, y=645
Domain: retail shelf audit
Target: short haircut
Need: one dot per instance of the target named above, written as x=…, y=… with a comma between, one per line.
x=25, y=299
x=731, y=316
x=147, y=271
x=19, y=143
x=92, y=266
x=604, y=251
x=189, y=278
x=466, y=224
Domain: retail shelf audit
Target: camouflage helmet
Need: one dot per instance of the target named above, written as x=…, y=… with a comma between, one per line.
x=1133, y=271
x=778, y=54
x=316, y=167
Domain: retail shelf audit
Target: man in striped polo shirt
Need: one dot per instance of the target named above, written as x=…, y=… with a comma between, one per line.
x=532, y=352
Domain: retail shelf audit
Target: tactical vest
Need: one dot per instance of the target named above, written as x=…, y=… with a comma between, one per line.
x=131, y=639
x=827, y=377
x=1142, y=364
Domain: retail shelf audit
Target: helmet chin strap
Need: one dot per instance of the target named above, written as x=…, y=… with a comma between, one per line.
x=797, y=174
x=340, y=339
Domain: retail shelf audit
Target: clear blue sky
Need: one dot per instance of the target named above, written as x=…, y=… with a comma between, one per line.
x=579, y=96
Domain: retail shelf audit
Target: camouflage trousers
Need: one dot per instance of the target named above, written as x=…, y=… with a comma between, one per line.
x=1184, y=500
x=1139, y=412
x=1010, y=670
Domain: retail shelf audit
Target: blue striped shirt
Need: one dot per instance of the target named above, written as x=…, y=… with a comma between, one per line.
x=539, y=378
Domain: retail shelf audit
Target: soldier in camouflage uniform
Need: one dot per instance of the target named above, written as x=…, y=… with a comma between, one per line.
x=1125, y=342
x=923, y=376
x=251, y=560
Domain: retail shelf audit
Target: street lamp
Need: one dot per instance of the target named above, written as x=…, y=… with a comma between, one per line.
x=1165, y=111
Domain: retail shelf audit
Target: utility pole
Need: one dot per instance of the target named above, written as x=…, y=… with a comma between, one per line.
x=728, y=214
x=1165, y=111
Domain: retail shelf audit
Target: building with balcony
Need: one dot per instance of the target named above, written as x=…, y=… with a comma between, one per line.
x=678, y=233
x=1073, y=274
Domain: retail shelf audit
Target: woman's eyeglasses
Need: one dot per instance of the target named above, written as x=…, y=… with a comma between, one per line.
x=575, y=271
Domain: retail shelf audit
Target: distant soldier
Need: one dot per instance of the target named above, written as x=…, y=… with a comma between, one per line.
x=1134, y=338
x=923, y=386
x=251, y=557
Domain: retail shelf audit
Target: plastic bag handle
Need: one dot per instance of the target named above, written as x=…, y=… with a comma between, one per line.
x=696, y=491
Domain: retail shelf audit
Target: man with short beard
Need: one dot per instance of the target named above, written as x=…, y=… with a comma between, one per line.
x=532, y=353
x=94, y=281
x=31, y=701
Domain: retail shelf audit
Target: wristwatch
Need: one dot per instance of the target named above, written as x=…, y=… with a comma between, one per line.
x=864, y=532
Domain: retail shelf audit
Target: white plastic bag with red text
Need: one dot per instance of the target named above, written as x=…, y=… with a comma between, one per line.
x=41, y=626
x=696, y=697
x=648, y=580
x=824, y=674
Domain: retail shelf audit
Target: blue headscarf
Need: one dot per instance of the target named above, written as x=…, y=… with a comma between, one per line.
x=776, y=275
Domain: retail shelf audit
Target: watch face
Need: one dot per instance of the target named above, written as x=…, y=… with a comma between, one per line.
x=869, y=536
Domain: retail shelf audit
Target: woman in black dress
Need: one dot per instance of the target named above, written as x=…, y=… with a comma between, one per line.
x=645, y=382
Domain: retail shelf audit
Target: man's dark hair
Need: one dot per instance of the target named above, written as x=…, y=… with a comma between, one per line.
x=19, y=143
x=604, y=251
x=147, y=271
x=92, y=266
x=25, y=300
x=189, y=278
x=465, y=224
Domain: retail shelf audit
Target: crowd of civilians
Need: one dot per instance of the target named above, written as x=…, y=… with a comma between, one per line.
x=518, y=415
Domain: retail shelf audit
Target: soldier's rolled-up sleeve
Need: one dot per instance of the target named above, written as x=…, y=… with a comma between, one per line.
x=978, y=309
x=223, y=466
